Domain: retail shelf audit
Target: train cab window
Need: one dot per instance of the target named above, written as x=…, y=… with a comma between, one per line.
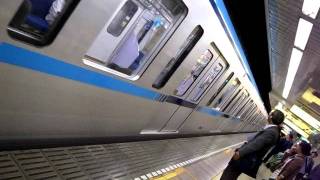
x=226, y=95
x=38, y=22
x=138, y=30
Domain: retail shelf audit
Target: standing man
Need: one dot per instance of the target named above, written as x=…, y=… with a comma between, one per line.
x=282, y=146
x=248, y=158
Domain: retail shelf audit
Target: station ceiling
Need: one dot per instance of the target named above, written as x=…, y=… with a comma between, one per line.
x=267, y=31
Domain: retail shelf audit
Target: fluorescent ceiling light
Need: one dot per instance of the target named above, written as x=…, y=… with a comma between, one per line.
x=286, y=127
x=311, y=8
x=303, y=33
x=279, y=106
x=285, y=132
x=296, y=128
x=305, y=117
x=310, y=97
x=295, y=59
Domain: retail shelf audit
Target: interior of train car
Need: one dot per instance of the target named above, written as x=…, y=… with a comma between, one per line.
x=151, y=89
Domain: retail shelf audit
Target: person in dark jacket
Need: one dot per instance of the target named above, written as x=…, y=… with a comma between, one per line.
x=315, y=173
x=283, y=144
x=248, y=158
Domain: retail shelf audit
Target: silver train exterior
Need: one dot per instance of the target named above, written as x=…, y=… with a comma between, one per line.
x=114, y=68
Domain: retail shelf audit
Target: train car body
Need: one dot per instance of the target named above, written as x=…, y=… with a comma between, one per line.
x=119, y=68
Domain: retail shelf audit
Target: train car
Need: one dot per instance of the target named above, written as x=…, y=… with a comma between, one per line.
x=120, y=68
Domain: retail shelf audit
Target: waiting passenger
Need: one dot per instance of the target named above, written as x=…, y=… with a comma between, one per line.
x=248, y=158
x=307, y=167
x=293, y=164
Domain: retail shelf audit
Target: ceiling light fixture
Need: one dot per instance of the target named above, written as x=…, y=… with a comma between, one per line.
x=305, y=116
x=279, y=106
x=303, y=33
x=296, y=128
x=295, y=59
x=311, y=8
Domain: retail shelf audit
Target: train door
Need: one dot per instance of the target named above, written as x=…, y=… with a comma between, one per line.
x=239, y=101
x=251, y=122
x=243, y=111
x=211, y=74
x=250, y=112
x=140, y=32
x=256, y=122
x=225, y=98
x=242, y=106
x=208, y=116
x=179, y=67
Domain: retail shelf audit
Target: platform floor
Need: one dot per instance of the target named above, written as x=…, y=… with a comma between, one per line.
x=263, y=173
x=184, y=158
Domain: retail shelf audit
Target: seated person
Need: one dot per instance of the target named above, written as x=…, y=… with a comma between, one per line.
x=308, y=164
x=293, y=164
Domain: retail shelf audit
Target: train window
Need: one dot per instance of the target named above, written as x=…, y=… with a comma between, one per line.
x=245, y=109
x=121, y=20
x=247, y=112
x=223, y=85
x=251, y=112
x=237, y=113
x=225, y=96
x=138, y=30
x=253, y=119
x=38, y=22
x=240, y=108
x=181, y=54
x=196, y=70
x=211, y=76
x=234, y=100
x=232, y=110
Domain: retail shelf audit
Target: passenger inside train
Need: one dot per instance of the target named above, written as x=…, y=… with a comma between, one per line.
x=40, y=15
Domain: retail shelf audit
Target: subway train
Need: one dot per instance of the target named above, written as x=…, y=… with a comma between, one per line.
x=121, y=68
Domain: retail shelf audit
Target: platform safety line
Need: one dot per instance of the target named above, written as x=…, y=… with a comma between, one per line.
x=177, y=169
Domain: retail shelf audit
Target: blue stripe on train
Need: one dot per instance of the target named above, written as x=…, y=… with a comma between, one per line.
x=25, y=58
x=31, y=60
